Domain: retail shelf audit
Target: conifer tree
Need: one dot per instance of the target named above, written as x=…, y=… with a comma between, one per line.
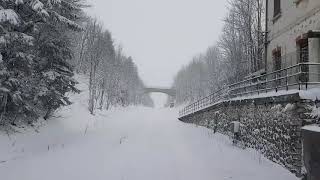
x=34, y=74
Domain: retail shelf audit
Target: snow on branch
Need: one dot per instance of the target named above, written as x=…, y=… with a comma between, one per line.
x=36, y=5
x=54, y=1
x=71, y=6
x=315, y=112
x=4, y=90
x=9, y=15
x=57, y=17
x=51, y=3
x=24, y=38
x=19, y=2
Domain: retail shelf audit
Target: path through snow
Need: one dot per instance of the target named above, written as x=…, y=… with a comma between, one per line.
x=128, y=144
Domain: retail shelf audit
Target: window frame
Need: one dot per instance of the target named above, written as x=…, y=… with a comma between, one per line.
x=276, y=10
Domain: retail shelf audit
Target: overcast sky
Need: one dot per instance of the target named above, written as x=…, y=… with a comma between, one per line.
x=161, y=35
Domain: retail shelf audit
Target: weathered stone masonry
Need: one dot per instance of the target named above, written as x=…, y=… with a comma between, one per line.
x=271, y=125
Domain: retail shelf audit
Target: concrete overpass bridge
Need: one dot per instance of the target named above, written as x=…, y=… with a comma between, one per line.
x=169, y=91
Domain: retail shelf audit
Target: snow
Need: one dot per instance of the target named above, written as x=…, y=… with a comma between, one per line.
x=2, y=40
x=4, y=90
x=8, y=15
x=268, y=94
x=55, y=1
x=65, y=20
x=36, y=5
x=51, y=75
x=289, y=107
x=19, y=2
x=312, y=94
x=134, y=143
x=315, y=113
x=314, y=128
x=27, y=39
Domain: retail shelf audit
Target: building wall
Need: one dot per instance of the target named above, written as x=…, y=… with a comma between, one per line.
x=270, y=125
x=294, y=21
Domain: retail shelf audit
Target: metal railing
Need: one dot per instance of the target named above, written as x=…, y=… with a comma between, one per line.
x=300, y=76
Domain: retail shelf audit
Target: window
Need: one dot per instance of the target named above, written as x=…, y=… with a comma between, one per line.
x=303, y=50
x=277, y=8
x=276, y=53
x=303, y=57
x=276, y=59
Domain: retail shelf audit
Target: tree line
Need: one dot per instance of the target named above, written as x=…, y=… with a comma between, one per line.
x=113, y=77
x=237, y=54
x=42, y=43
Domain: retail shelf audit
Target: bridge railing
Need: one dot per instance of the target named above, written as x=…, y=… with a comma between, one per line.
x=299, y=77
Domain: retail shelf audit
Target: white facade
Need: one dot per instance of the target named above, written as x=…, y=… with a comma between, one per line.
x=295, y=20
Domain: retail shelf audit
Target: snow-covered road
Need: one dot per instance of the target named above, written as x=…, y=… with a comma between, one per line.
x=138, y=144
x=135, y=143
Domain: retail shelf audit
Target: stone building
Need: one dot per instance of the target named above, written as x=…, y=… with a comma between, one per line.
x=293, y=28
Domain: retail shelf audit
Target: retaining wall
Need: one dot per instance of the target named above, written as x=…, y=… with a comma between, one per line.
x=271, y=125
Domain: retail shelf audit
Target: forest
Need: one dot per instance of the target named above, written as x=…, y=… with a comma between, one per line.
x=43, y=43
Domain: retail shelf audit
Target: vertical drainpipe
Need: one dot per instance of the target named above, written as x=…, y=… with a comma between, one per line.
x=266, y=37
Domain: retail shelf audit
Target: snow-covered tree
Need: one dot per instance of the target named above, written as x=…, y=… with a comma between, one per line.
x=34, y=48
x=236, y=55
x=113, y=77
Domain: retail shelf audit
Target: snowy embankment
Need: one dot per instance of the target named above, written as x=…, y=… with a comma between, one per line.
x=134, y=143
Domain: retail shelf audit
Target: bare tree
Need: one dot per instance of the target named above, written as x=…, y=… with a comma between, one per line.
x=237, y=54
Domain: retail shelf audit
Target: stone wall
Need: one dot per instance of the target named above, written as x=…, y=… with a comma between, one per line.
x=270, y=125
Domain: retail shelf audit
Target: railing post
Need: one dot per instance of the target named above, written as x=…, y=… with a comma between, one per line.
x=307, y=75
x=287, y=80
x=300, y=76
x=257, y=86
x=266, y=84
x=197, y=107
x=207, y=101
x=276, y=82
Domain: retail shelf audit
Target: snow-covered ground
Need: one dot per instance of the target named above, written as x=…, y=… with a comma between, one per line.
x=134, y=143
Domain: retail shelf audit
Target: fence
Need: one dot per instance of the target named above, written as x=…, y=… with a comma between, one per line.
x=300, y=76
